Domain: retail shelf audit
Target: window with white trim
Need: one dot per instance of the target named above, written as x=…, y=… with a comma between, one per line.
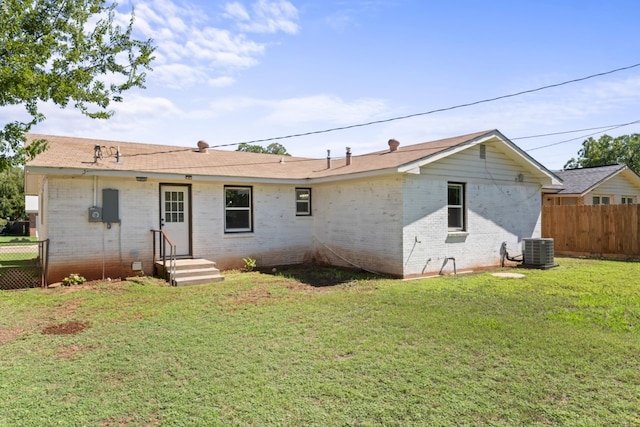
x=628, y=200
x=455, y=206
x=238, y=215
x=303, y=201
x=601, y=200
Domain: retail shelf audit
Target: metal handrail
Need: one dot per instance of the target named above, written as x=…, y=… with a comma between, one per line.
x=164, y=241
x=43, y=260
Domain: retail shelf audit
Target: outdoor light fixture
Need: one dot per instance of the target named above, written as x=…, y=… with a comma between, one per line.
x=141, y=178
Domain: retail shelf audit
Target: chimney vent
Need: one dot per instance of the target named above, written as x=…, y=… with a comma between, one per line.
x=202, y=146
x=328, y=159
x=393, y=145
x=348, y=156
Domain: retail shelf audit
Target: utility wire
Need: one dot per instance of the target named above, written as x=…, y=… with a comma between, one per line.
x=576, y=130
x=439, y=110
x=583, y=136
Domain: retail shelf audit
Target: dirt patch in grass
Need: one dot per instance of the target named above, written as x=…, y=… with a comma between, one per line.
x=70, y=352
x=68, y=328
x=9, y=334
x=306, y=278
x=90, y=285
x=251, y=296
x=319, y=276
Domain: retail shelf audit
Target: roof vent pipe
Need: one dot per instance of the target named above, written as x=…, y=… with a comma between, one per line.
x=97, y=153
x=393, y=145
x=348, y=156
x=328, y=159
x=202, y=146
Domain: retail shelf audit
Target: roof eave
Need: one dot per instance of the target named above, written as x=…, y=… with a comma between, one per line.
x=356, y=175
x=42, y=170
x=491, y=135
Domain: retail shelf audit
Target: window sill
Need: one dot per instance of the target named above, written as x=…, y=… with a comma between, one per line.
x=238, y=234
x=458, y=233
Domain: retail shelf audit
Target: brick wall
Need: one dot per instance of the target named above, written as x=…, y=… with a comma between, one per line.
x=359, y=224
x=79, y=246
x=495, y=214
x=279, y=237
x=87, y=248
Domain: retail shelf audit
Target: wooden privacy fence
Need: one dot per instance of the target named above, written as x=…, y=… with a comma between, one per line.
x=610, y=231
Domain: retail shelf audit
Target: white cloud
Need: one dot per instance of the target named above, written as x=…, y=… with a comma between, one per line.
x=234, y=104
x=221, y=82
x=304, y=111
x=267, y=17
x=614, y=92
x=236, y=11
x=192, y=48
x=178, y=75
x=325, y=109
x=132, y=118
x=144, y=106
x=340, y=20
x=223, y=49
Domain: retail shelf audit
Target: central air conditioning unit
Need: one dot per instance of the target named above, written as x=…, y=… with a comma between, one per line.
x=537, y=253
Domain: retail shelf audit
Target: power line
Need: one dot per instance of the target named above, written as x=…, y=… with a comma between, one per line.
x=575, y=130
x=439, y=110
x=583, y=136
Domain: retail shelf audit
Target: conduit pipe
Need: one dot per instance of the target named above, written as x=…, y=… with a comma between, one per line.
x=505, y=255
x=446, y=260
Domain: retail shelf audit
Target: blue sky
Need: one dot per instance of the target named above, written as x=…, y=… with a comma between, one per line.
x=230, y=72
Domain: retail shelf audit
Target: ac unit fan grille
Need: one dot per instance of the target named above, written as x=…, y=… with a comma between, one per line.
x=538, y=252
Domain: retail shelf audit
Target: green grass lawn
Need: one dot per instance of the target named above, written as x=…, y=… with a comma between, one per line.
x=558, y=347
x=18, y=251
x=11, y=240
x=18, y=259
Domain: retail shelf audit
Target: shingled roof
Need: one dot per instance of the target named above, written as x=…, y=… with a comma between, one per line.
x=582, y=180
x=76, y=155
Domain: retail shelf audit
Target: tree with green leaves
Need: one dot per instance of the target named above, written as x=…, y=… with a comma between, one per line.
x=608, y=150
x=65, y=52
x=273, y=148
x=12, y=194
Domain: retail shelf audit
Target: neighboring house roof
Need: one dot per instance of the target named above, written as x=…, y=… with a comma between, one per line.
x=583, y=180
x=76, y=155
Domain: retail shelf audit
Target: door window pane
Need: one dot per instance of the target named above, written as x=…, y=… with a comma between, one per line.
x=174, y=210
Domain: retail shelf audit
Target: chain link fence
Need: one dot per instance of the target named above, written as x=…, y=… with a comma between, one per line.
x=23, y=263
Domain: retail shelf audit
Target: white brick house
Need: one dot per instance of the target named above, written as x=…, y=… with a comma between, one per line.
x=401, y=211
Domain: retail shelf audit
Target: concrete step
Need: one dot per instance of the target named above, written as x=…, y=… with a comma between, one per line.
x=193, y=272
x=198, y=280
x=194, y=263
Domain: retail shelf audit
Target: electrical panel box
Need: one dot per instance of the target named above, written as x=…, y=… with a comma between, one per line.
x=95, y=214
x=110, y=206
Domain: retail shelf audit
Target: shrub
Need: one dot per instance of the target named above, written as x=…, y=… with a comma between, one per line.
x=73, y=279
x=249, y=264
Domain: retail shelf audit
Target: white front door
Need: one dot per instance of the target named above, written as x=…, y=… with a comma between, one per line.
x=175, y=216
